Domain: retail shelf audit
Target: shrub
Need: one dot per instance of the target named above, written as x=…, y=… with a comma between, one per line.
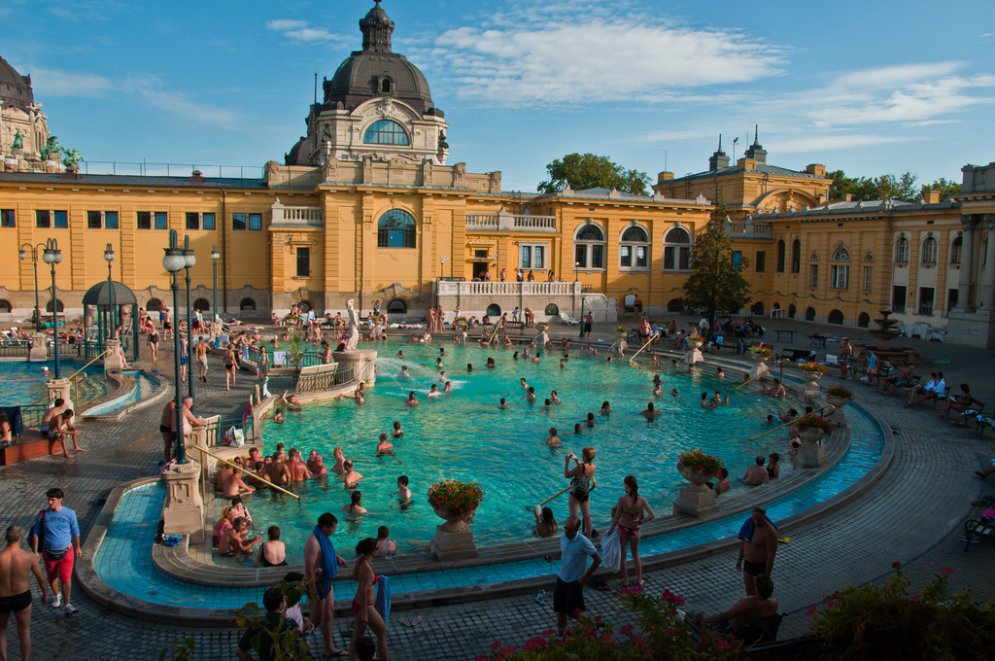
x=839, y=391
x=812, y=366
x=460, y=498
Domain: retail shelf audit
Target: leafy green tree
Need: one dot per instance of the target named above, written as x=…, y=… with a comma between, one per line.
x=715, y=282
x=947, y=189
x=580, y=171
x=903, y=187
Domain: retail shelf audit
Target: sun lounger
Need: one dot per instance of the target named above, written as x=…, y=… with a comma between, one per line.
x=568, y=320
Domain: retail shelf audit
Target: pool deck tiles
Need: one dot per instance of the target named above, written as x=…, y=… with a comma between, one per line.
x=913, y=514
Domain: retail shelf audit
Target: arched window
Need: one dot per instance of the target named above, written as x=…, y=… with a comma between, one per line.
x=634, y=252
x=956, y=248
x=396, y=229
x=247, y=305
x=810, y=314
x=796, y=256
x=58, y=306
x=493, y=310
x=397, y=306
x=552, y=310
x=386, y=85
x=202, y=305
x=929, y=250
x=758, y=308
x=780, y=255
x=792, y=310
x=677, y=250
x=902, y=250
x=835, y=317
x=864, y=320
x=154, y=305
x=5, y=306
x=386, y=132
x=589, y=247
x=675, y=305
x=840, y=271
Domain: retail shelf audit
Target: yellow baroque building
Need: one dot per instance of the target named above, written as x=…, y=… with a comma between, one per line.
x=366, y=207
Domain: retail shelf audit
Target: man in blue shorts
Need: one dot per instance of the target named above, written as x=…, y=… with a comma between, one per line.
x=321, y=564
x=574, y=574
x=56, y=536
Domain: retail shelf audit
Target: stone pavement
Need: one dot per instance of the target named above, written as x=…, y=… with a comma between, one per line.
x=913, y=515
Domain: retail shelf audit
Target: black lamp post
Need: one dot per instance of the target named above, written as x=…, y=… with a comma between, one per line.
x=173, y=261
x=109, y=256
x=215, y=256
x=189, y=259
x=52, y=256
x=23, y=254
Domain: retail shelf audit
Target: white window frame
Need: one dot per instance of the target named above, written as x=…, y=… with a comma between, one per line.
x=679, y=253
x=902, y=250
x=589, y=246
x=531, y=262
x=839, y=276
x=633, y=247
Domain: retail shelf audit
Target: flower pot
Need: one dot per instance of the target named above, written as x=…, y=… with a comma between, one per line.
x=811, y=454
x=836, y=400
x=758, y=358
x=696, y=499
x=811, y=435
x=454, y=522
x=696, y=476
x=453, y=539
x=694, y=344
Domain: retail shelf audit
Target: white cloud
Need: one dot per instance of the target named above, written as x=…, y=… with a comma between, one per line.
x=600, y=57
x=150, y=90
x=54, y=82
x=297, y=30
x=829, y=143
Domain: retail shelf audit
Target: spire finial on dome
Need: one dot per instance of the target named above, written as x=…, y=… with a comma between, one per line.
x=756, y=134
x=377, y=28
x=720, y=142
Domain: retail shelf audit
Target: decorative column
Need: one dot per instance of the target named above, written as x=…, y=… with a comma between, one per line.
x=964, y=301
x=60, y=389
x=988, y=279
x=39, y=348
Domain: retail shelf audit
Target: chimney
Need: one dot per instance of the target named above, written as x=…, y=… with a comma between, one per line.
x=818, y=169
x=931, y=196
x=197, y=177
x=718, y=160
x=664, y=176
x=848, y=197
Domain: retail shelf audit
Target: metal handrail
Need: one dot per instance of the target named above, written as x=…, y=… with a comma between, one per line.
x=653, y=337
x=254, y=475
x=753, y=438
x=98, y=357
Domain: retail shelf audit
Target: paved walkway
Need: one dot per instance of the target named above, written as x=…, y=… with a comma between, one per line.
x=912, y=515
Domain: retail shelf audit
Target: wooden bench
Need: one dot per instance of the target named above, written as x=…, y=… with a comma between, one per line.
x=30, y=445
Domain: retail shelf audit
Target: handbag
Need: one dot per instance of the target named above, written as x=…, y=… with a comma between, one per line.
x=611, y=551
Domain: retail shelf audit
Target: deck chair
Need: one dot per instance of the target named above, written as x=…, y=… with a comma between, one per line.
x=568, y=320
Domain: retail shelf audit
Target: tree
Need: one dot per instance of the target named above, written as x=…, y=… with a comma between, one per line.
x=947, y=189
x=580, y=171
x=715, y=282
x=902, y=187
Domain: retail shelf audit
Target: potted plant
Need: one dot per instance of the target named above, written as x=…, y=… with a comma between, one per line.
x=542, y=325
x=695, y=340
x=813, y=427
x=456, y=502
x=760, y=352
x=838, y=396
x=697, y=467
x=621, y=330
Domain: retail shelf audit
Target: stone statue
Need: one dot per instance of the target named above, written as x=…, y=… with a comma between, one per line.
x=353, y=340
x=51, y=148
x=18, y=142
x=72, y=158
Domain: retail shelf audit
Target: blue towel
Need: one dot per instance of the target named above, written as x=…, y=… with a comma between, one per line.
x=329, y=564
x=383, y=599
x=746, y=531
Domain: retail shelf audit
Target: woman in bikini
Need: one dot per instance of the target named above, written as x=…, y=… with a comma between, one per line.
x=364, y=603
x=581, y=482
x=629, y=513
x=229, y=367
x=153, y=345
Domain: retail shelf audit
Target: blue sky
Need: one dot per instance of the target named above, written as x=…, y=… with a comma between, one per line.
x=869, y=87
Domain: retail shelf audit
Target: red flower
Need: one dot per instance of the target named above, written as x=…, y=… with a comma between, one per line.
x=626, y=629
x=812, y=610
x=896, y=565
x=495, y=646
x=947, y=570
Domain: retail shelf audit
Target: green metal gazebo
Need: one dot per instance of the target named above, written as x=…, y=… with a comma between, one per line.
x=103, y=311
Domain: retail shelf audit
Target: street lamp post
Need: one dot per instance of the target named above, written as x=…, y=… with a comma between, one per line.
x=53, y=256
x=189, y=260
x=23, y=254
x=173, y=261
x=215, y=256
x=109, y=256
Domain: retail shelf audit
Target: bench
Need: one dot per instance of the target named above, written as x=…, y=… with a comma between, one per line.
x=794, y=355
x=977, y=531
x=31, y=445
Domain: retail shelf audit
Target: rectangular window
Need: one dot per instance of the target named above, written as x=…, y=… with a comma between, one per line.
x=7, y=217
x=238, y=221
x=868, y=273
x=303, y=262
x=193, y=220
x=111, y=220
x=143, y=220
x=146, y=220
x=208, y=221
x=61, y=219
x=598, y=256
x=580, y=256
x=813, y=275
x=926, y=300
x=625, y=257
x=532, y=256
x=737, y=260
x=255, y=221
x=952, y=297
x=161, y=220
x=96, y=220
x=761, y=264
x=43, y=218
x=898, y=298
x=840, y=276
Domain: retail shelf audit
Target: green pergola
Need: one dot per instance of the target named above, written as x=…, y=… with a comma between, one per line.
x=103, y=307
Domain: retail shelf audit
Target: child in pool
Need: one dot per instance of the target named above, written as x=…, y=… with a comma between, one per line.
x=403, y=492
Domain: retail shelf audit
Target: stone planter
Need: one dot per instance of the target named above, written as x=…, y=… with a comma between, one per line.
x=759, y=368
x=696, y=499
x=811, y=454
x=811, y=389
x=453, y=539
x=837, y=416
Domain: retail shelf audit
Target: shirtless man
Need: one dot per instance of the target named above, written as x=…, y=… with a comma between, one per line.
x=338, y=467
x=553, y=441
x=15, y=594
x=650, y=413
x=298, y=469
x=350, y=475
x=749, y=609
x=384, y=447
x=200, y=351
x=58, y=408
x=757, y=549
x=278, y=472
x=775, y=390
x=316, y=465
x=235, y=541
x=235, y=485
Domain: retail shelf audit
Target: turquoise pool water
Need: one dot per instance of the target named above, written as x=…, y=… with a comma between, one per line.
x=23, y=383
x=144, y=387
x=124, y=559
x=464, y=435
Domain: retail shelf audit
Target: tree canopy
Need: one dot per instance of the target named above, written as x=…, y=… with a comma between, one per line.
x=715, y=282
x=580, y=171
x=902, y=187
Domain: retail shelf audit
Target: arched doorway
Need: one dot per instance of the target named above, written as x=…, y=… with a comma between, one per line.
x=552, y=310
x=5, y=306
x=397, y=306
x=792, y=311
x=835, y=317
x=675, y=305
x=758, y=309
x=247, y=305
x=864, y=320
x=154, y=305
x=59, y=307
x=810, y=314
x=202, y=305
x=493, y=310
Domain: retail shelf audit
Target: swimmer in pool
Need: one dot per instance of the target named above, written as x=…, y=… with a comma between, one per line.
x=384, y=447
x=491, y=364
x=434, y=391
x=404, y=372
x=590, y=420
x=397, y=433
x=555, y=397
x=448, y=387
x=531, y=396
x=553, y=441
x=503, y=405
x=339, y=456
x=674, y=393
x=658, y=390
x=650, y=413
x=403, y=493
x=606, y=408
x=578, y=428
x=525, y=386
x=411, y=400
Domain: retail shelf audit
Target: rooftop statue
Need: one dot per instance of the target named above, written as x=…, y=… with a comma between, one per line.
x=18, y=142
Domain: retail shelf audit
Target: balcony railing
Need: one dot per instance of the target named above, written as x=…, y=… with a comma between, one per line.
x=748, y=230
x=450, y=288
x=507, y=222
x=297, y=216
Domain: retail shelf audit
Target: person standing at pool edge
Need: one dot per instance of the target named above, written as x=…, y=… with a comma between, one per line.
x=757, y=549
x=56, y=536
x=321, y=564
x=581, y=484
x=15, y=593
x=568, y=596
